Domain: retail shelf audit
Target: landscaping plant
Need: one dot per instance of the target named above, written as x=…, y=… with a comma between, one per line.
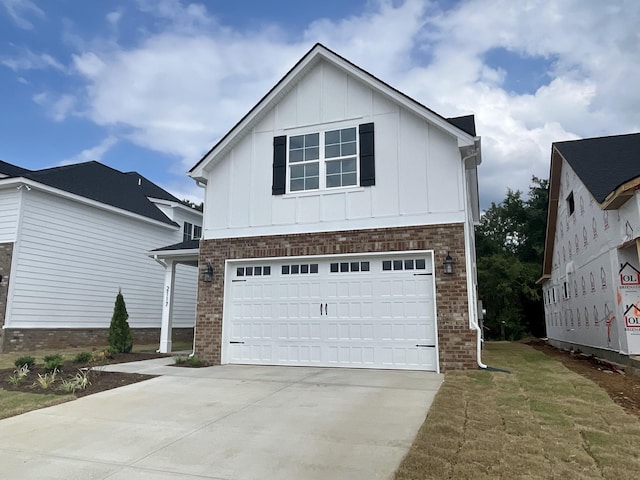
x=45, y=381
x=83, y=357
x=19, y=374
x=53, y=362
x=79, y=382
x=27, y=360
x=120, y=340
x=186, y=361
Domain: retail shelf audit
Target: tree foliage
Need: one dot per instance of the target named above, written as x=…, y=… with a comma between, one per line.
x=510, y=246
x=120, y=340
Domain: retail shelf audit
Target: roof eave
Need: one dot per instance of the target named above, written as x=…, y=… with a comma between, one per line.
x=555, y=169
x=19, y=181
x=621, y=195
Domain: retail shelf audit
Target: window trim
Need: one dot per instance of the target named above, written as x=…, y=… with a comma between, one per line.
x=322, y=160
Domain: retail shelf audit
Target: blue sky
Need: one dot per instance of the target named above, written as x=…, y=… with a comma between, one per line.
x=151, y=85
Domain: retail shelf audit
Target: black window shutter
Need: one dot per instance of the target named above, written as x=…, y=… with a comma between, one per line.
x=367, y=155
x=278, y=186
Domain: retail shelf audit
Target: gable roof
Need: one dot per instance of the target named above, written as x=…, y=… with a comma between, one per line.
x=604, y=163
x=98, y=182
x=11, y=170
x=609, y=167
x=317, y=53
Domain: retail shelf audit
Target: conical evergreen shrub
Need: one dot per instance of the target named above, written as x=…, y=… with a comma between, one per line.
x=120, y=340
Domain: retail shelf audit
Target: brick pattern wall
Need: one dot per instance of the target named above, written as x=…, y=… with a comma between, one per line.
x=457, y=343
x=6, y=252
x=28, y=339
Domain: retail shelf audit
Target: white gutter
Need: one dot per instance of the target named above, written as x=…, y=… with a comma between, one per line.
x=471, y=300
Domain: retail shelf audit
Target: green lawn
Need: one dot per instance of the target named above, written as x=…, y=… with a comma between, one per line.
x=15, y=403
x=540, y=421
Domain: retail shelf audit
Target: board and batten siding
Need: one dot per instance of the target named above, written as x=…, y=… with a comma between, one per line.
x=9, y=214
x=419, y=173
x=71, y=259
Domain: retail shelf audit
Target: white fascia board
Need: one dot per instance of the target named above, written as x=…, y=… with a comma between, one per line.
x=179, y=205
x=171, y=253
x=198, y=172
x=18, y=182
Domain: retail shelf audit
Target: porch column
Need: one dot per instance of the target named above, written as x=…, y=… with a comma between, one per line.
x=167, y=307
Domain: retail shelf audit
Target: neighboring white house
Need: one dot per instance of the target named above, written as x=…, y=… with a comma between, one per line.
x=70, y=238
x=330, y=209
x=591, y=272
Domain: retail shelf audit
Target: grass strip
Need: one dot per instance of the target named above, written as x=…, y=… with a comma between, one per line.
x=540, y=421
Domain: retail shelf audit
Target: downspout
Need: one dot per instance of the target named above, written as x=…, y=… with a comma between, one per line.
x=473, y=315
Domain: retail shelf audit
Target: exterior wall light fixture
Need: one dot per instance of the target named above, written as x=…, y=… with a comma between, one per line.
x=207, y=274
x=448, y=264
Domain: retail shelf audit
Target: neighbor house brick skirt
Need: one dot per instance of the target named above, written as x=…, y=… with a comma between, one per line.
x=457, y=342
x=27, y=339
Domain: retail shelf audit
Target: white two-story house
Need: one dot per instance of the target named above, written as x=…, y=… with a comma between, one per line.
x=71, y=237
x=331, y=209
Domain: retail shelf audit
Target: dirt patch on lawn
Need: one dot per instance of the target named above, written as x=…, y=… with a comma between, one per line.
x=98, y=380
x=623, y=387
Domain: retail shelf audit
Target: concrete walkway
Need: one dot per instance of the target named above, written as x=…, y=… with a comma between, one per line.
x=226, y=422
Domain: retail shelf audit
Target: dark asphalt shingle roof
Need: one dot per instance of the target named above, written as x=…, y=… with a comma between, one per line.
x=466, y=123
x=188, y=245
x=11, y=170
x=95, y=181
x=603, y=163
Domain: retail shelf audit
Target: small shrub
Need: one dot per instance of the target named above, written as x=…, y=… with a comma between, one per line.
x=82, y=379
x=79, y=382
x=19, y=374
x=120, y=340
x=25, y=360
x=45, y=381
x=83, y=357
x=193, y=362
x=53, y=362
x=68, y=386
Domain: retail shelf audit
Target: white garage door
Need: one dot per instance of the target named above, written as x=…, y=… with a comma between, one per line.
x=367, y=312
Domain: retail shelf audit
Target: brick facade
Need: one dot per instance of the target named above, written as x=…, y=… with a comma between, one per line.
x=28, y=339
x=6, y=253
x=457, y=342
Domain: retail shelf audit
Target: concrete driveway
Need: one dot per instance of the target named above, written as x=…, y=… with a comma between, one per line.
x=226, y=422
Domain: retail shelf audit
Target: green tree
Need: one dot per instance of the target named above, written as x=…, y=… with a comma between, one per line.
x=120, y=340
x=510, y=246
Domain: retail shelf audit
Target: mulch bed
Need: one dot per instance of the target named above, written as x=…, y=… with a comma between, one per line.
x=623, y=387
x=100, y=380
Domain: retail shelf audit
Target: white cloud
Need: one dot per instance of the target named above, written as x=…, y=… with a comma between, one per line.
x=181, y=88
x=178, y=93
x=19, y=10
x=114, y=17
x=57, y=107
x=94, y=153
x=28, y=60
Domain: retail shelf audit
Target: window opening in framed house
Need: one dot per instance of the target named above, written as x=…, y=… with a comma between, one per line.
x=571, y=204
x=323, y=160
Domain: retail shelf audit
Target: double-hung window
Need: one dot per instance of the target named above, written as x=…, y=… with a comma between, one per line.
x=191, y=232
x=323, y=160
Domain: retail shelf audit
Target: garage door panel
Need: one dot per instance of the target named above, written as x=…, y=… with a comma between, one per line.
x=351, y=316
